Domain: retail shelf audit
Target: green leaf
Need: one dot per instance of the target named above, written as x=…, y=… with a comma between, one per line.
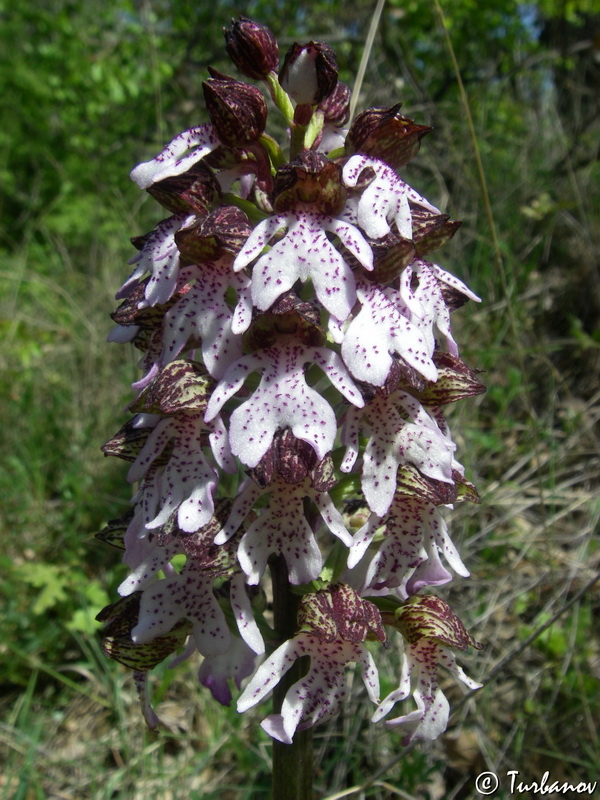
x=53, y=581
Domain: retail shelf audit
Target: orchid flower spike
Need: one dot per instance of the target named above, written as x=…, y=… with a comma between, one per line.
x=296, y=357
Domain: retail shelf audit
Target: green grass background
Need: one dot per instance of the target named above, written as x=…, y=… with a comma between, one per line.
x=89, y=92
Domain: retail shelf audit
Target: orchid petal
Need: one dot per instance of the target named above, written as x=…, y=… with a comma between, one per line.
x=455, y=283
x=395, y=440
x=269, y=673
x=172, y=159
x=317, y=695
x=282, y=399
x=257, y=241
x=304, y=252
x=203, y=312
x=377, y=331
x=282, y=530
x=188, y=481
x=188, y=595
x=242, y=610
x=217, y=670
x=421, y=662
x=248, y=493
x=160, y=257
x=385, y=199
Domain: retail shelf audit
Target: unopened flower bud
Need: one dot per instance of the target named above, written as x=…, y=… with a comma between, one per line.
x=391, y=255
x=183, y=386
x=431, y=231
x=288, y=316
x=294, y=460
x=430, y=617
x=312, y=179
x=339, y=612
x=237, y=110
x=309, y=73
x=119, y=619
x=195, y=190
x=223, y=231
x=456, y=381
x=252, y=48
x=126, y=444
x=385, y=134
x=336, y=107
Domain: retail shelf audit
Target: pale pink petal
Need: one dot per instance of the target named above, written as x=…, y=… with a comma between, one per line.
x=258, y=239
x=455, y=283
x=188, y=595
x=283, y=399
x=154, y=560
x=383, y=201
x=282, y=529
x=429, y=720
x=217, y=670
x=400, y=431
x=160, y=257
x=304, y=252
x=269, y=673
x=317, y=695
x=244, y=617
x=203, y=312
x=230, y=383
x=187, y=483
x=379, y=330
x=248, y=493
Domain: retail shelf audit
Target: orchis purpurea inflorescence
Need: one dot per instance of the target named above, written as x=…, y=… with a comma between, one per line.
x=296, y=357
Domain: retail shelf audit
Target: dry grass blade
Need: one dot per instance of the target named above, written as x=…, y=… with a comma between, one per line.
x=360, y=75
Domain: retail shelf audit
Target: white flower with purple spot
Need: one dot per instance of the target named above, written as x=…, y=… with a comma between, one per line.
x=304, y=252
x=383, y=327
x=385, y=201
x=421, y=291
x=420, y=668
x=408, y=559
x=399, y=431
x=453, y=282
x=318, y=695
x=187, y=595
x=160, y=257
x=283, y=399
x=282, y=529
x=187, y=483
x=334, y=624
x=216, y=671
x=185, y=150
x=157, y=557
x=203, y=312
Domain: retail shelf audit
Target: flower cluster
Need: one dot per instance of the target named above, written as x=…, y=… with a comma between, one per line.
x=296, y=357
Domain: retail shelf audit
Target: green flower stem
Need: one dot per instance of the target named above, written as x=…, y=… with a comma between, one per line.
x=297, y=144
x=315, y=126
x=248, y=207
x=280, y=98
x=274, y=151
x=292, y=763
